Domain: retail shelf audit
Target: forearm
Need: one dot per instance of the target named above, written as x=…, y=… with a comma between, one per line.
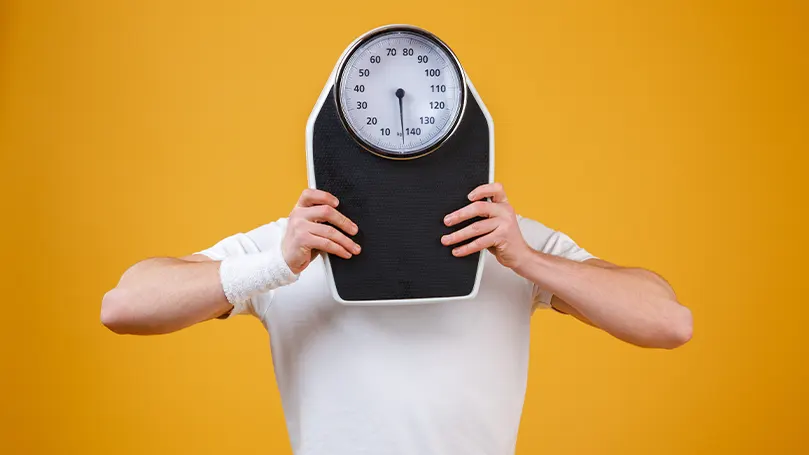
x=634, y=305
x=163, y=295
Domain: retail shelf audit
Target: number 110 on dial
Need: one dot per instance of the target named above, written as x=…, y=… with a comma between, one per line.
x=401, y=93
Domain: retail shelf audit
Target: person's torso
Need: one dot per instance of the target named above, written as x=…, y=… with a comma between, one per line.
x=441, y=378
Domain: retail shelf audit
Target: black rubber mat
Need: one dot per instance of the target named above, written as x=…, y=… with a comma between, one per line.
x=399, y=207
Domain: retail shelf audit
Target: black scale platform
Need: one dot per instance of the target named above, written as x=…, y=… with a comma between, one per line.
x=399, y=206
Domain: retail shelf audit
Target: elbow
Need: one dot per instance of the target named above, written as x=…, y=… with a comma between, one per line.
x=679, y=329
x=113, y=311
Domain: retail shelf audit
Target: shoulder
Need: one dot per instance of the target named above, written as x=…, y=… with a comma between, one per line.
x=261, y=238
x=266, y=235
x=534, y=232
x=551, y=241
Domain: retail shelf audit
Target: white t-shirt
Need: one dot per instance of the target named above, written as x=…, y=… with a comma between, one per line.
x=432, y=379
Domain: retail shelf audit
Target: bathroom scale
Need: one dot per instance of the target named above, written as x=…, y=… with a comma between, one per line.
x=400, y=136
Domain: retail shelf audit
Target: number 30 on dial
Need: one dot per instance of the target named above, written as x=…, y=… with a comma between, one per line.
x=401, y=92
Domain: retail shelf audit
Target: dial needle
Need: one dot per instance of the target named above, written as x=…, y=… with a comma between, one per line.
x=400, y=94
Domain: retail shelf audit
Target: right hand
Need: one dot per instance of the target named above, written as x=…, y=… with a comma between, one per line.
x=306, y=234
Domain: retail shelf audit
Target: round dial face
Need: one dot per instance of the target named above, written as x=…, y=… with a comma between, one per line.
x=401, y=93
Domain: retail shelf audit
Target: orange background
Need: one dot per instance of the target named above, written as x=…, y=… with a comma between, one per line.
x=667, y=134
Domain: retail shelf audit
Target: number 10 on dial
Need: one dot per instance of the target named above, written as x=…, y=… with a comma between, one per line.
x=401, y=92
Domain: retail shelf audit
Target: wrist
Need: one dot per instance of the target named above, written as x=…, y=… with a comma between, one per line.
x=521, y=259
x=533, y=265
x=245, y=276
x=294, y=266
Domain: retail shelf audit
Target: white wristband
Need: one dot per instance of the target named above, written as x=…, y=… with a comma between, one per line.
x=248, y=275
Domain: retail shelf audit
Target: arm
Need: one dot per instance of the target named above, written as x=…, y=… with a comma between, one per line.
x=632, y=304
x=162, y=295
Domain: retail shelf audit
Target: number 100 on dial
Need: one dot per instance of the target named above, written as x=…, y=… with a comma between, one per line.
x=401, y=93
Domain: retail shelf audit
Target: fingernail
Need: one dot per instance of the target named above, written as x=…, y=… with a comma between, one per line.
x=447, y=219
x=445, y=239
x=456, y=252
x=357, y=249
x=470, y=196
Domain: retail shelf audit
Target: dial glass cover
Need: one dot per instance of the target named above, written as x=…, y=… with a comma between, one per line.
x=401, y=93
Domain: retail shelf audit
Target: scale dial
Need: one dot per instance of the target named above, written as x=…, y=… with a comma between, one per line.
x=401, y=92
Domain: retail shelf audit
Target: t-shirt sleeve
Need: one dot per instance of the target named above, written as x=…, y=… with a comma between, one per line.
x=263, y=238
x=555, y=243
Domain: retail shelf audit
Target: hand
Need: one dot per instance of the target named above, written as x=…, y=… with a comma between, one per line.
x=306, y=235
x=499, y=231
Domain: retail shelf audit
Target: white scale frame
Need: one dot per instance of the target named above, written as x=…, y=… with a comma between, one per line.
x=328, y=91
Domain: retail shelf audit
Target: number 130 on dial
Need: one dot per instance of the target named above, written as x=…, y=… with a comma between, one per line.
x=400, y=92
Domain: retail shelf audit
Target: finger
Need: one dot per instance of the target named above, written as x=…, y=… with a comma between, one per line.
x=495, y=191
x=479, y=244
x=326, y=245
x=479, y=208
x=473, y=230
x=311, y=197
x=322, y=230
x=327, y=213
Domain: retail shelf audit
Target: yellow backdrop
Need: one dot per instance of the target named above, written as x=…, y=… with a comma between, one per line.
x=667, y=134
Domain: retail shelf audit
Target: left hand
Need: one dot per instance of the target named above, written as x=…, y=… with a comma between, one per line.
x=499, y=231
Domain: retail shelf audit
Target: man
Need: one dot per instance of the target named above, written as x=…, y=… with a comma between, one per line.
x=445, y=378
